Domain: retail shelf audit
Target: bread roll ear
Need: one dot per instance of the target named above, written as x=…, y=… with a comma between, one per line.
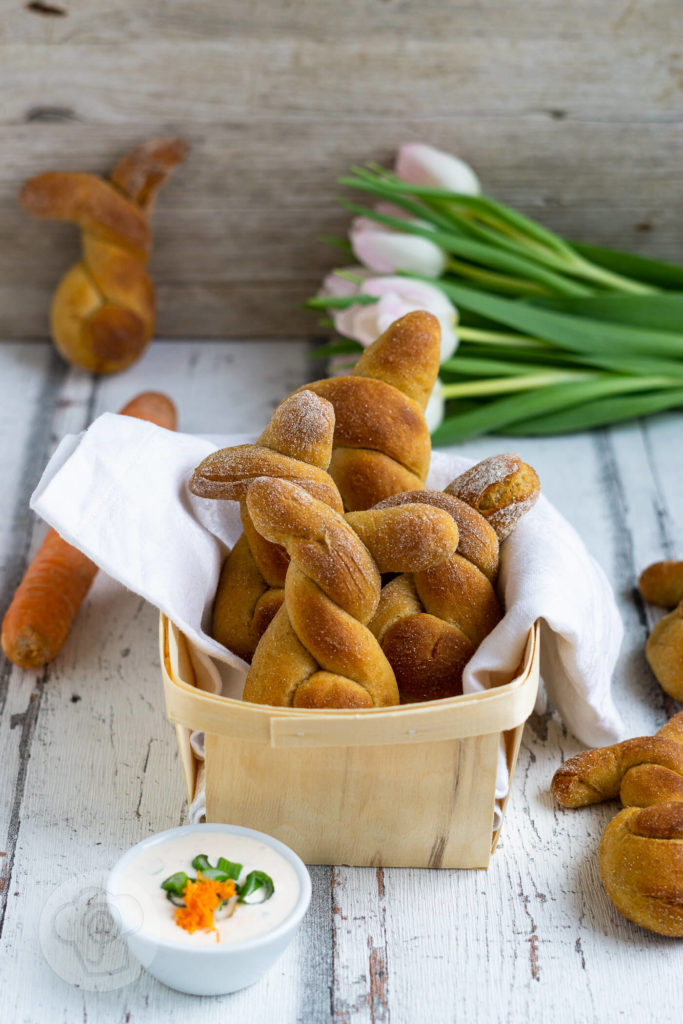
x=91, y=203
x=501, y=488
x=142, y=171
x=405, y=356
x=302, y=427
x=381, y=440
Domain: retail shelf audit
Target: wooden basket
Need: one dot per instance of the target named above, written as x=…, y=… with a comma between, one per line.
x=411, y=786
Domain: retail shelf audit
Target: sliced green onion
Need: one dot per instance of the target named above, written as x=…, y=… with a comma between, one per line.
x=230, y=868
x=257, y=883
x=176, y=883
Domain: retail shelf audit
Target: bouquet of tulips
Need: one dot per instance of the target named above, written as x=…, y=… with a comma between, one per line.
x=539, y=335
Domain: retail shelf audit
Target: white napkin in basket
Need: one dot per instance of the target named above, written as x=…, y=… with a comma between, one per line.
x=119, y=493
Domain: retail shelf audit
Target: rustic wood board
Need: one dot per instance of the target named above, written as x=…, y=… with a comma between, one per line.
x=570, y=111
x=534, y=937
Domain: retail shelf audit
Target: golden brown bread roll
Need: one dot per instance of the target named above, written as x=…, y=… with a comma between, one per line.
x=381, y=440
x=664, y=652
x=103, y=311
x=296, y=445
x=642, y=771
x=318, y=651
x=662, y=583
x=641, y=866
x=430, y=625
x=501, y=488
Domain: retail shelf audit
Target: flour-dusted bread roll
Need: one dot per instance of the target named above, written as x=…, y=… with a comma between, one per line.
x=296, y=445
x=641, y=866
x=381, y=440
x=641, y=771
x=318, y=651
x=431, y=623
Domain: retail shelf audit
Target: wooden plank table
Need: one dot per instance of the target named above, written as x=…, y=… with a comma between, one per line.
x=89, y=762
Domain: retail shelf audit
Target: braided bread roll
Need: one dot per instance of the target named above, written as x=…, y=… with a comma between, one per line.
x=296, y=445
x=641, y=771
x=641, y=866
x=317, y=651
x=430, y=624
x=381, y=440
x=103, y=311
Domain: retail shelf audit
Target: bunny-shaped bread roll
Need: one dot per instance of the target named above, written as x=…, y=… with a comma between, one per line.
x=103, y=311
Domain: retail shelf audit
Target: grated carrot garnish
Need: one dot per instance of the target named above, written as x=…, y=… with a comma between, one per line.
x=201, y=899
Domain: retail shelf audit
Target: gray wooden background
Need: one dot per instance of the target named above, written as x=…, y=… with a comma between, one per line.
x=570, y=110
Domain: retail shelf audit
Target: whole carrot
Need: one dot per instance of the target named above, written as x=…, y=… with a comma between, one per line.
x=46, y=601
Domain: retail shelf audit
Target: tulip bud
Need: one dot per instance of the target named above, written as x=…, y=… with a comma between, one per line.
x=387, y=251
x=420, y=164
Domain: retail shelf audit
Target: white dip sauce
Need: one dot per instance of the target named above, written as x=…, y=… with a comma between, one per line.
x=139, y=888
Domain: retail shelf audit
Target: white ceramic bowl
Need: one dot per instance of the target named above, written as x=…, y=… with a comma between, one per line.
x=205, y=970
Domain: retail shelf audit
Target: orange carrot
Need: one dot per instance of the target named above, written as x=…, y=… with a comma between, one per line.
x=46, y=601
x=152, y=406
x=202, y=897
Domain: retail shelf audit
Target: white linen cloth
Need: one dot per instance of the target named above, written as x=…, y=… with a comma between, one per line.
x=119, y=493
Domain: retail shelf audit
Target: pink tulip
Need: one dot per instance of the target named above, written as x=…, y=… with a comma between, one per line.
x=396, y=296
x=386, y=251
x=420, y=164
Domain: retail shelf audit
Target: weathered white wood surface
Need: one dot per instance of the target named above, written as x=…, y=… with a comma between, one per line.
x=89, y=763
x=572, y=111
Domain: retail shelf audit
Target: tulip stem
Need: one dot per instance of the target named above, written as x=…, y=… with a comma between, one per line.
x=475, y=334
x=498, y=282
x=505, y=385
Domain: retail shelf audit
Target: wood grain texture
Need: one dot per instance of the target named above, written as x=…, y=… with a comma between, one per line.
x=573, y=115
